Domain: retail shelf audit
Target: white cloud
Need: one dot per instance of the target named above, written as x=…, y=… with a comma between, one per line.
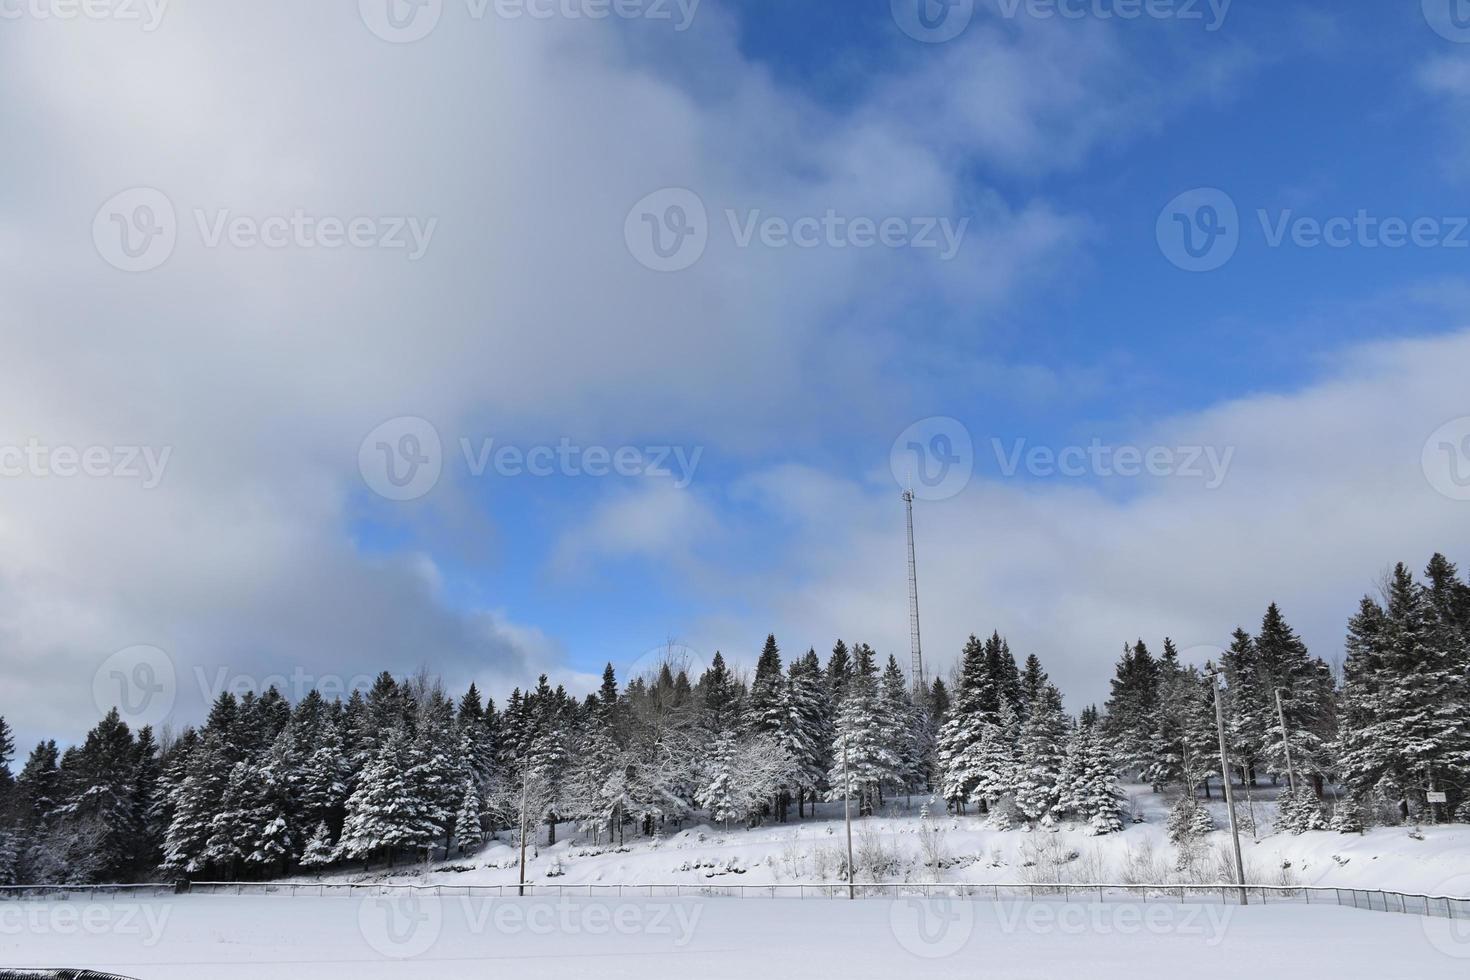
x=1326, y=489
x=264, y=368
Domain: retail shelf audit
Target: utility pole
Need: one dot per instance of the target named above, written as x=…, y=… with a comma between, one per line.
x=525, y=787
x=847, y=818
x=1285, y=744
x=1229, y=793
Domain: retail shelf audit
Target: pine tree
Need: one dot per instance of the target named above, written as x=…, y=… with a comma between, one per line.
x=196, y=799
x=839, y=670
x=994, y=762
x=384, y=814
x=1042, y=748
x=1132, y=711
x=1088, y=786
x=38, y=788
x=273, y=807
x=764, y=710
x=1188, y=820
x=319, y=851
x=869, y=761
x=101, y=811
x=975, y=705
x=469, y=829
x=806, y=731
x=720, y=697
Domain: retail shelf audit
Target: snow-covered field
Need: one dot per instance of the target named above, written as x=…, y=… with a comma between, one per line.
x=265, y=937
x=899, y=847
x=411, y=935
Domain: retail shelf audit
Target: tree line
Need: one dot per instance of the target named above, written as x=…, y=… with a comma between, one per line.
x=405, y=771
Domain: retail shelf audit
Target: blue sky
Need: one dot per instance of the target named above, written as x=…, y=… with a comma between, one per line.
x=540, y=150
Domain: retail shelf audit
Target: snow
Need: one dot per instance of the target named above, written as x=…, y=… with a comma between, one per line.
x=265, y=937
x=812, y=850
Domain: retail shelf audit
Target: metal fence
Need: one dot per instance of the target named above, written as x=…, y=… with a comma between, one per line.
x=1378, y=900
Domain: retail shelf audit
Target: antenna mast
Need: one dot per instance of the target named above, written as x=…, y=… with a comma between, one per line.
x=915, y=648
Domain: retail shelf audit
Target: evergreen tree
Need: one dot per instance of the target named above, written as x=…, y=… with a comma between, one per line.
x=1088, y=786
x=319, y=851
x=1042, y=749
x=868, y=762
x=469, y=830
x=1131, y=712
x=384, y=814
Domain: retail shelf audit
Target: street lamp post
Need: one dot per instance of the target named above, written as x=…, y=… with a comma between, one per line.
x=1225, y=778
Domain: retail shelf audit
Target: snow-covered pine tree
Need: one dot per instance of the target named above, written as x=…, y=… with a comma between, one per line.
x=764, y=712
x=869, y=761
x=1131, y=712
x=974, y=705
x=469, y=830
x=901, y=721
x=325, y=777
x=1088, y=785
x=1307, y=693
x=806, y=732
x=231, y=826
x=1042, y=747
x=100, y=813
x=195, y=799
x=384, y=814
x=717, y=792
x=995, y=762
x=1299, y=810
x=1188, y=819
x=272, y=838
x=319, y=850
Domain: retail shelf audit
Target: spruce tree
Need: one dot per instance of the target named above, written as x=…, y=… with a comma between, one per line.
x=319, y=851
x=1042, y=749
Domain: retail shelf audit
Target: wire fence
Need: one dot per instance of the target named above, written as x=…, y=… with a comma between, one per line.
x=1377, y=900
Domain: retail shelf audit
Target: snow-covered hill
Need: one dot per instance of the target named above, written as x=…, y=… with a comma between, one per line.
x=901, y=845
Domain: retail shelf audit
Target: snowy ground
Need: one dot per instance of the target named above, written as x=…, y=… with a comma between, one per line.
x=264, y=937
x=406, y=936
x=892, y=848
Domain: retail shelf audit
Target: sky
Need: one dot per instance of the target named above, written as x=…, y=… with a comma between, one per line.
x=500, y=337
